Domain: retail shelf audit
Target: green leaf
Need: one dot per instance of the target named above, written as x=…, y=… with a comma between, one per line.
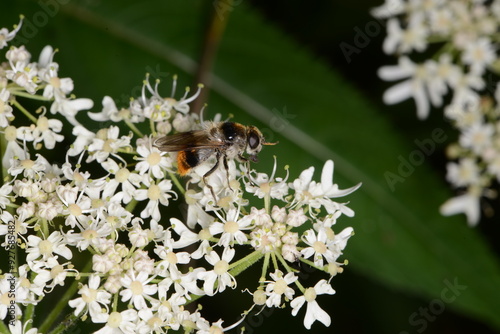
x=262, y=77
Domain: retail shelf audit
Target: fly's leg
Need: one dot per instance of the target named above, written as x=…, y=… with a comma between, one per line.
x=226, y=167
x=207, y=174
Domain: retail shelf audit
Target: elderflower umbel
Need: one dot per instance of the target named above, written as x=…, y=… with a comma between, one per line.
x=103, y=219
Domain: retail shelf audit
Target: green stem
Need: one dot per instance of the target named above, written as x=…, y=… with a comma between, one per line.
x=177, y=183
x=28, y=314
x=131, y=205
x=267, y=203
x=237, y=267
x=115, y=302
x=285, y=264
x=134, y=128
x=275, y=263
x=24, y=111
x=45, y=227
x=63, y=302
x=152, y=126
x=3, y=328
x=264, y=267
x=244, y=263
x=28, y=95
x=70, y=320
x=3, y=149
x=289, y=269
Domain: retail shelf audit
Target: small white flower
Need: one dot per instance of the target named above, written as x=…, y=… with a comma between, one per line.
x=6, y=296
x=83, y=138
x=118, y=322
x=50, y=271
x=129, y=181
x=232, y=228
x=55, y=87
x=137, y=288
x=479, y=54
x=389, y=8
x=69, y=108
x=92, y=299
x=414, y=86
x=413, y=37
x=46, y=130
x=219, y=273
x=314, y=311
x=46, y=248
x=311, y=193
x=279, y=287
x=7, y=36
x=91, y=233
x=109, y=112
x=318, y=247
x=156, y=194
x=261, y=184
x=468, y=204
x=107, y=142
x=19, y=328
x=477, y=137
x=151, y=160
x=296, y=218
x=6, y=114
x=465, y=173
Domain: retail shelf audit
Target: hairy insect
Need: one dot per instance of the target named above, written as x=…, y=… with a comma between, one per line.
x=224, y=140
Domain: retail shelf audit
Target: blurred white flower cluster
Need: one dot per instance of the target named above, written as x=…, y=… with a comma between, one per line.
x=456, y=43
x=109, y=203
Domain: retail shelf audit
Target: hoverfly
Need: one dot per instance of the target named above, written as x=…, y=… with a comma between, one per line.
x=225, y=140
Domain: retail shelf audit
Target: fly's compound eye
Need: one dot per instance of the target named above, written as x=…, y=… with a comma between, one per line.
x=253, y=140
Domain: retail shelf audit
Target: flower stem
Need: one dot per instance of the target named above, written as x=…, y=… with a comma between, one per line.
x=63, y=302
x=24, y=111
x=264, y=267
x=3, y=149
x=28, y=95
x=244, y=263
x=66, y=324
x=28, y=314
x=267, y=203
x=3, y=327
x=177, y=183
x=134, y=128
x=131, y=205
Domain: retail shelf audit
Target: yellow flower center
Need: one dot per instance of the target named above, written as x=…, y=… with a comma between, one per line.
x=154, y=192
x=154, y=159
x=280, y=286
x=221, y=267
x=43, y=123
x=136, y=288
x=114, y=320
x=319, y=247
x=45, y=247
x=231, y=227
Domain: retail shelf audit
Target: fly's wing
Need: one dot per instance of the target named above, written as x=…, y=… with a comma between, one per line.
x=187, y=141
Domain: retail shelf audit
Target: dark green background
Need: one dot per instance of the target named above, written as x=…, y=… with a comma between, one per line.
x=287, y=56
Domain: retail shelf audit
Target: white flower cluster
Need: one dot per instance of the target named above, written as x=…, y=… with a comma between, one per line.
x=459, y=41
x=107, y=204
